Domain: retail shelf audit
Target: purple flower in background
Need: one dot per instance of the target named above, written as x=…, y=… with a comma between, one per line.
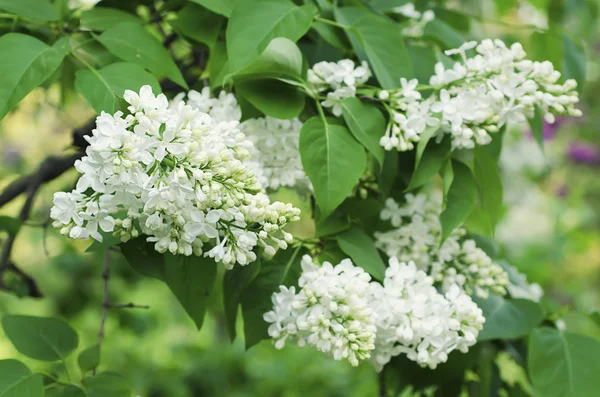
x=583, y=153
x=561, y=190
x=549, y=130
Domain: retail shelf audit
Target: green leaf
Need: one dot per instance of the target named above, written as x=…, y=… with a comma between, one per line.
x=443, y=34
x=40, y=10
x=143, y=258
x=447, y=174
x=595, y=316
x=281, y=58
x=106, y=384
x=270, y=19
x=423, y=61
x=218, y=66
x=64, y=391
x=547, y=46
x=460, y=200
x=361, y=249
x=537, y=127
x=366, y=123
x=223, y=7
x=333, y=160
x=104, y=88
x=235, y=283
x=386, y=177
x=563, y=364
x=102, y=18
x=384, y=47
x=132, y=43
x=191, y=278
x=387, y=5
x=9, y=224
x=430, y=158
x=89, y=358
x=331, y=225
x=347, y=16
x=198, y=24
x=26, y=64
x=508, y=318
x=331, y=35
x=44, y=339
x=16, y=380
x=487, y=176
x=283, y=269
x=574, y=64
x=273, y=98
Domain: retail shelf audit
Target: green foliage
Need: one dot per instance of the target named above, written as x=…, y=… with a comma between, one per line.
x=40, y=10
x=271, y=19
x=508, y=318
x=282, y=269
x=198, y=24
x=89, y=358
x=563, y=363
x=190, y=278
x=132, y=43
x=361, y=249
x=29, y=64
x=460, y=199
x=366, y=124
x=537, y=127
x=104, y=88
x=235, y=283
x=223, y=7
x=429, y=160
x=382, y=43
x=332, y=159
x=487, y=176
x=16, y=380
x=106, y=384
x=45, y=339
x=9, y=224
x=56, y=390
x=106, y=18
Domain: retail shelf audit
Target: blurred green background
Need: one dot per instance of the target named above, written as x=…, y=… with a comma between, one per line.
x=550, y=232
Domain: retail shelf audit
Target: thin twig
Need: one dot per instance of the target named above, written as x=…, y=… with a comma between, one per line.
x=106, y=300
x=127, y=306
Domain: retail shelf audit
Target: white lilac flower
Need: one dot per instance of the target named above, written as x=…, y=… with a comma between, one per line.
x=416, y=19
x=416, y=236
x=175, y=176
x=477, y=96
x=329, y=311
x=340, y=312
x=82, y=4
x=520, y=288
x=274, y=157
x=340, y=79
x=414, y=319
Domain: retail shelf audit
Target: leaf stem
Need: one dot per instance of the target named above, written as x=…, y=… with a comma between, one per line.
x=332, y=23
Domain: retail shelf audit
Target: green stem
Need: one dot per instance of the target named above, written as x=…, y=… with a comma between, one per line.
x=321, y=112
x=64, y=364
x=332, y=23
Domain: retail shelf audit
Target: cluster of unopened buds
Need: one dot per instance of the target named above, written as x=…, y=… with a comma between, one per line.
x=342, y=313
x=468, y=101
x=176, y=176
x=416, y=236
